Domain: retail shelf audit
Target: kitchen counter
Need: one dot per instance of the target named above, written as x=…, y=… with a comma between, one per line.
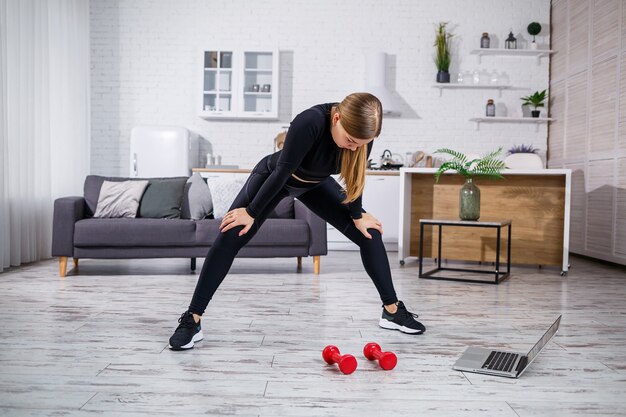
x=536, y=200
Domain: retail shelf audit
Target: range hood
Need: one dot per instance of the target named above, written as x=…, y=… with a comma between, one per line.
x=375, y=82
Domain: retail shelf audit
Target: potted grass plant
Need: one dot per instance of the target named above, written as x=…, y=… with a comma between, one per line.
x=443, y=54
x=523, y=157
x=487, y=166
x=535, y=100
x=534, y=28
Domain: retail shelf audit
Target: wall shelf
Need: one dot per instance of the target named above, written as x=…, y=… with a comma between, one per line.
x=512, y=52
x=533, y=120
x=453, y=86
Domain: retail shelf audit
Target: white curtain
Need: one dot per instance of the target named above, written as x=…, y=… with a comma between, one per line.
x=44, y=119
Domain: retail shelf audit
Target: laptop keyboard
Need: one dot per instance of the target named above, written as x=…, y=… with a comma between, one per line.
x=500, y=361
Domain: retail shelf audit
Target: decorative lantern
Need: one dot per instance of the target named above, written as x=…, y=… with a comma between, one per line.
x=510, y=42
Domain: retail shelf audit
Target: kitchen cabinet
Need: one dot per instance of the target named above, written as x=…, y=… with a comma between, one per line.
x=240, y=84
x=381, y=197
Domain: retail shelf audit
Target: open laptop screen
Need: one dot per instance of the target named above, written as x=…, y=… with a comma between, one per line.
x=532, y=353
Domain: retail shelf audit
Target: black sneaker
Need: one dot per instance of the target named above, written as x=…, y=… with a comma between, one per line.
x=402, y=320
x=187, y=332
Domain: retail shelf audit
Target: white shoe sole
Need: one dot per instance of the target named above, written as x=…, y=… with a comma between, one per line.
x=386, y=324
x=196, y=338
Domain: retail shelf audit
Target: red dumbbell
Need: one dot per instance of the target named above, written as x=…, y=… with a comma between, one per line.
x=347, y=363
x=386, y=360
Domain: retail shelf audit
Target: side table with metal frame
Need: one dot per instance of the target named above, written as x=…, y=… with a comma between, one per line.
x=498, y=225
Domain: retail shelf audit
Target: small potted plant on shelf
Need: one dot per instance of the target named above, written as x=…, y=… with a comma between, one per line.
x=523, y=157
x=487, y=166
x=443, y=55
x=536, y=100
x=533, y=30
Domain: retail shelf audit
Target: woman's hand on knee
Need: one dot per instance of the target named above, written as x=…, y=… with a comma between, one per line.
x=237, y=217
x=367, y=221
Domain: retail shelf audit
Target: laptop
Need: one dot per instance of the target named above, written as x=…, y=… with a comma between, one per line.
x=503, y=363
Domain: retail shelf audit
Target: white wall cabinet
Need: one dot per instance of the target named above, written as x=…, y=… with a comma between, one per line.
x=239, y=84
x=381, y=198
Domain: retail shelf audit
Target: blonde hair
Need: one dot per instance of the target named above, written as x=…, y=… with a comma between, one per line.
x=361, y=117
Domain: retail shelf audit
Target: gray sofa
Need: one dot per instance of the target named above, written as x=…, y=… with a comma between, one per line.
x=77, y=234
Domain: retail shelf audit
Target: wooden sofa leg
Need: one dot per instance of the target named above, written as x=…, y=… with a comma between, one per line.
x=316, y=265
x=299, y=268
x=75, y=263
x=62, y=266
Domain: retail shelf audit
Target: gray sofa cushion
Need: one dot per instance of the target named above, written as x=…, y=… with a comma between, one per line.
x=134, y=232
x=162, y=199
x=274, y=232
x=283, y=210
x=197, y=202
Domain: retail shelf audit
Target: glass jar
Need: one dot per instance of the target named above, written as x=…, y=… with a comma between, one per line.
x=469, y=201
x=476, y=77
x=494, y=80
x=484, y=41
x=490, y=110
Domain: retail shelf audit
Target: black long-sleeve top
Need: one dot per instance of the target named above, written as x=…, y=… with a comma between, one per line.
x=310, y=153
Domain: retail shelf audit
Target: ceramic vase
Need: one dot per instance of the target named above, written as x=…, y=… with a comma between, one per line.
x=443, y=77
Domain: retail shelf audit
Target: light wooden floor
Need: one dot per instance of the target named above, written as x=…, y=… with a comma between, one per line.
x=95, y=344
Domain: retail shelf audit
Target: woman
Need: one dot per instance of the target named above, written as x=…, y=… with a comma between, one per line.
x=333, y=138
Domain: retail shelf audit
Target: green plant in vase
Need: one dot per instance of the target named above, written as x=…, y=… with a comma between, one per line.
x=536, y=100
x=443, y=52
x=523, y=157
x=487, y=166
x=522, y=149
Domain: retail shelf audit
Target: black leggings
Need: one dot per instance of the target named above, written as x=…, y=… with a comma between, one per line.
x=325, y=200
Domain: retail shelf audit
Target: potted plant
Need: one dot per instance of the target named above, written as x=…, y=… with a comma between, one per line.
x=443, y=44
x=533, y=30
x=523, y=157
x=487, y=166
x=536, y=100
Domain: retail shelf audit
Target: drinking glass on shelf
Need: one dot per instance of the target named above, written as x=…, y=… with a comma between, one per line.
x=459, y=78
x=467, y=77
x=494, y=80
x=476, y=77
x=408, y=159
x=484, y=77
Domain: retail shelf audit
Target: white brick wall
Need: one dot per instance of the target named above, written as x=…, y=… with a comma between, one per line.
x=146, y=62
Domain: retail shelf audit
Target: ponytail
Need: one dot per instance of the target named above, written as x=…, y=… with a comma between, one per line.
x=361, y=117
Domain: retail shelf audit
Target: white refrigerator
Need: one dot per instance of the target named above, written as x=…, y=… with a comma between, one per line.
x=162, y=151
